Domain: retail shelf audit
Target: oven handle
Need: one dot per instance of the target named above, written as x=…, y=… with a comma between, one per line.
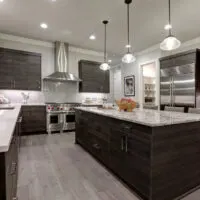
x=70, y=113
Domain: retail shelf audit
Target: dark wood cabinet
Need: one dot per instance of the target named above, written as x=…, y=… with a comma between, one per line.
x=121, y=146
x=33, y=119
x=9, y=169
x=94, y=80
x=20, y=70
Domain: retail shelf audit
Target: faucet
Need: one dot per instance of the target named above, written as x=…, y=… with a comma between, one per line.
x=25, y=97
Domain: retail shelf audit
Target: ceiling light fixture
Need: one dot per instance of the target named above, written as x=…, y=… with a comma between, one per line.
x=44, y=25
x=128, y=46
x=128, y=57
x=168, y=26
x=1, y=0
x=105, y=66
x=92, y=37
x=171, y=42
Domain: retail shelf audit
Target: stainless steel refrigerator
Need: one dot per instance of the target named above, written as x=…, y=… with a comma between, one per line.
x=177, y=85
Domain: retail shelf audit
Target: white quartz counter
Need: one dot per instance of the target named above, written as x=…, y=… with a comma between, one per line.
x=8, y=119
x=146, y=117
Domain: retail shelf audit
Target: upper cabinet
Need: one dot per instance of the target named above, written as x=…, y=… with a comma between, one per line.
x=20, y=70
x=94, y=80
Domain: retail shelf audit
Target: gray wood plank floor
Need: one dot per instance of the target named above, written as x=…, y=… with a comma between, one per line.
x=54, y=168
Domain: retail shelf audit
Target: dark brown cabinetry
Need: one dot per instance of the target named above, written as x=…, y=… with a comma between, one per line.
x=34, y=119
x=94, y=80
x=9, y=169
x=20, y=70
x=121, y=146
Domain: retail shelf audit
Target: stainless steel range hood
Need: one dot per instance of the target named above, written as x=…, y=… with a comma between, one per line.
x=61, y=73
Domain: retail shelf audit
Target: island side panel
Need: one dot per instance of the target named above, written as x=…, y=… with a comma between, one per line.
x=175, y=160
x=123, y=147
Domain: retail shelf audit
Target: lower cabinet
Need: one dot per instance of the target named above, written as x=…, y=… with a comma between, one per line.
x=121, y=146
x=33, y=119
x=9, y=169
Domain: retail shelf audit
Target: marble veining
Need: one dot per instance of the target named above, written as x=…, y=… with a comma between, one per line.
x=146, y=117
x=8, y=119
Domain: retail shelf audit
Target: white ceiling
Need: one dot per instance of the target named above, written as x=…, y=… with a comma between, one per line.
x=74, y=20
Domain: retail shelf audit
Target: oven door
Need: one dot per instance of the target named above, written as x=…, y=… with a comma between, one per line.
x=69, y=121
x=54, y=122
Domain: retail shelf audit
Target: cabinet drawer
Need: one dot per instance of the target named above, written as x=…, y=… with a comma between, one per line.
x=99, y=148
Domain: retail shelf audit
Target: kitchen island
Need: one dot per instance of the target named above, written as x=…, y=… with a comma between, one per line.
x=156, y=153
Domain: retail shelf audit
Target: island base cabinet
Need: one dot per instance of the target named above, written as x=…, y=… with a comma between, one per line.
x=107, y=140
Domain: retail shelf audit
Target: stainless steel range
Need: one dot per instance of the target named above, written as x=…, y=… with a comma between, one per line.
x=61, y=117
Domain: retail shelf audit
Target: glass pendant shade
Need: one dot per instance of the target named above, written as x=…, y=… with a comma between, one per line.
x=104, y=66
x=128, y=58
x=170, y=43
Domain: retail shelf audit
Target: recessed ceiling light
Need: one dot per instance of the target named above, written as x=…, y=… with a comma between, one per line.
x=128, y=46
x=43, y=25
x=109, y=61
x=1, y=0
x=53, y=0
x=92, y=37
x=168, y=26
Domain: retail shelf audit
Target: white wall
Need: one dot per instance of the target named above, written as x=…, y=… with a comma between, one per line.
x=51, y=92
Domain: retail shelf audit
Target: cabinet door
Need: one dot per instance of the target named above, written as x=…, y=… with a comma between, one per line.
x=137, y=161
x=82, y=129
x=20, y=70
x=6, y=70
x=117, y=146
x=15, y=172
x=34, y=119
x=93, y=78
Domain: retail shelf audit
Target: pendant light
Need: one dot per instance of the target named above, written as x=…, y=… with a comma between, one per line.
x=105, y=66
x=128, y=57
x=171, y=42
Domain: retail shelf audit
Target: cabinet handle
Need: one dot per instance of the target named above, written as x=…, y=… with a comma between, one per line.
x=96, y=146
x=14, y=198
x=126, y=140
x=11, y=83
x=122, y=143
x=14, y=83
x=19, y=120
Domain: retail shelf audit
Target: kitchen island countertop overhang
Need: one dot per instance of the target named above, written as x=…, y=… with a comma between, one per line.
x=152, y=118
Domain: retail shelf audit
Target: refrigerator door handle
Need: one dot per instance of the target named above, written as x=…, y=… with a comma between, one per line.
x=173, y=87
x=170, y=92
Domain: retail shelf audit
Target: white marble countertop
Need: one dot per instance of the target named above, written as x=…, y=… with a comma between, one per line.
x=146, y=117
x=8, y=119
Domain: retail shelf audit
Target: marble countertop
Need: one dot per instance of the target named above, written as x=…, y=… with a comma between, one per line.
x=146, y=117
x=8, y=119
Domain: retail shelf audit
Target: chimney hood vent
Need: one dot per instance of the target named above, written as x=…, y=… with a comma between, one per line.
x=61, y=73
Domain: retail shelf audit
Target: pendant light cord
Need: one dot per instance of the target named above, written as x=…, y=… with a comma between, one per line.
x=170, y=31
x=105, y=45
x=128, y=28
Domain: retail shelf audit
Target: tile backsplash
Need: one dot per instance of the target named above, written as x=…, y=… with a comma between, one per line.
x=54, y=92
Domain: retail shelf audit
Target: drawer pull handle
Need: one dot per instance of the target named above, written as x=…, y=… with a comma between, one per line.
x=122, y=143
x=96, y=146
